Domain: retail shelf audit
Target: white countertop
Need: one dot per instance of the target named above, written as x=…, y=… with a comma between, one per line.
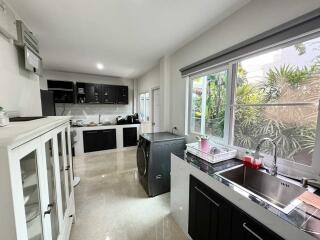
x=17, y=133
x=87, y=128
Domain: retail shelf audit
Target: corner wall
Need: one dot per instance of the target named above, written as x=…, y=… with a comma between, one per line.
x=19, y=88
x=146, y=83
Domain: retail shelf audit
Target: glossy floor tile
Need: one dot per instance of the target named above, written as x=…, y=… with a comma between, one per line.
x=111, y=204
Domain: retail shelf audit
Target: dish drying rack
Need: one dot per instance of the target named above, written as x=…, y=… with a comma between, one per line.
x=217, y=152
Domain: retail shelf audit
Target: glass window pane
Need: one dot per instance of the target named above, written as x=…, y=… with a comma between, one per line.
x=147, y=107
x=216, y=103
x=293, y=128
x=142, y=106
x=62, y=174
x=208, y=103
x=31, y=195
x=287, y=75
x=69, y=157
x=196, y=104
x=52, y=189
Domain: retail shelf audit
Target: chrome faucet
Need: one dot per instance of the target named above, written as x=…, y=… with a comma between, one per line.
x=274, y=169
x=99, y=119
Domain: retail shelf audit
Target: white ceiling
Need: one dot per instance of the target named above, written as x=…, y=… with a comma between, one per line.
x=127, y=36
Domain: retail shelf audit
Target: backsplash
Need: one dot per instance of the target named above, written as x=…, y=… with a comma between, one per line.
x=91, y=109
x=90, y=112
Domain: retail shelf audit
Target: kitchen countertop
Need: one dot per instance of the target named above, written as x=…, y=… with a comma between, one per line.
x=17, y=133
x=92, y=127
x=161, y=136
x=304, y=216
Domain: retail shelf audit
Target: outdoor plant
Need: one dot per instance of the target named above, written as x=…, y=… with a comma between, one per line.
x=253, y=123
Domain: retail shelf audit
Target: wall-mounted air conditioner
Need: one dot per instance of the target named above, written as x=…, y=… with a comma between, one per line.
x=30, y=44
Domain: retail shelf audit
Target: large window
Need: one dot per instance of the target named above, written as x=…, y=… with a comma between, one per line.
x=275, y=94
x=208, y=103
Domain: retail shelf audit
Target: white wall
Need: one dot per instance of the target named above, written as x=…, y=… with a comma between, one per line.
x=254, y=18
x=146, y=83
x=90, y=109
x=19, y=89
x=149, y=80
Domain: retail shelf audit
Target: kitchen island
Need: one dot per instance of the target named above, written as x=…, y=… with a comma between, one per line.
x=200, y=195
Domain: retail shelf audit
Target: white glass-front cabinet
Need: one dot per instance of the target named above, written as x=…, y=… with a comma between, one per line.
x=41, y=179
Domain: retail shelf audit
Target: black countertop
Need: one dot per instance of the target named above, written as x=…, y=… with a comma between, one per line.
x=160, y=136
x=304, y=216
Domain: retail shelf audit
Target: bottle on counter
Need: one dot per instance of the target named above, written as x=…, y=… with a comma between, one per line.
x=249, y=160
x=4, y=119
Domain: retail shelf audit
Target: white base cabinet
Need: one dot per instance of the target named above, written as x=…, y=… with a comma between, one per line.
x=37, y=187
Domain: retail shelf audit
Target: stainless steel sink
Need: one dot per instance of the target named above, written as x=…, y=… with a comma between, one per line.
x=278, y=191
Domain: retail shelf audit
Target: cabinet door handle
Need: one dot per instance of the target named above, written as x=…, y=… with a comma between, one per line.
x=244, y=225
x=67, y=168
x=209, y=198
x=50, y=206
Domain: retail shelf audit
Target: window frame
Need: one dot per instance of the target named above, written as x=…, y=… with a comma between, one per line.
x=285, y=166
x=226, y=133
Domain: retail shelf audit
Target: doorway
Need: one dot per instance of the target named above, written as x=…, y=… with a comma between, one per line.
x=156, y=110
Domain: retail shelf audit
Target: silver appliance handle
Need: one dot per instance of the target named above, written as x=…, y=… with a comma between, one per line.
x=244, y=225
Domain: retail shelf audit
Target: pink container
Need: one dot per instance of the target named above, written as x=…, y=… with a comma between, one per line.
x=204, y=144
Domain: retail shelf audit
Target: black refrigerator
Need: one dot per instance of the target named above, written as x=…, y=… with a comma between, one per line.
x=47, y=103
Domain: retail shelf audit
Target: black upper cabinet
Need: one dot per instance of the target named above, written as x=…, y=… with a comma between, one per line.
x=108, y=94
x=101, y=93
x=63, y=91
x=123, y=97
x=92, y=92
x=215, y=218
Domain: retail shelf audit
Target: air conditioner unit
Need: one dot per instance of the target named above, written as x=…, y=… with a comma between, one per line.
x=30, y=44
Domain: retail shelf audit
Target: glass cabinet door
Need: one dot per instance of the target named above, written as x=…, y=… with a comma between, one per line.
x=50, y=164
x=31, y=194
x=69, y=159
x=62, y=173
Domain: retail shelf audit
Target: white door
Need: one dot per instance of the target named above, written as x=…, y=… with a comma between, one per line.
x=156, y=110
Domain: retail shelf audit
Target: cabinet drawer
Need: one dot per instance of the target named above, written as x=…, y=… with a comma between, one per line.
x=245, y=227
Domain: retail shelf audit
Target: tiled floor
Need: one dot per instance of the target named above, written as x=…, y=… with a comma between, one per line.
x=111, y=204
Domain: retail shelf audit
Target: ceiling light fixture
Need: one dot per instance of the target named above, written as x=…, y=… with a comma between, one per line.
x=100, y=66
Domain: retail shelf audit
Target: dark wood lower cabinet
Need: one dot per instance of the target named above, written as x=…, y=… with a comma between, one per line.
x=98, y=140
x=209, y=214
x=213, y=217
x=130, y=136
x=245, y=227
